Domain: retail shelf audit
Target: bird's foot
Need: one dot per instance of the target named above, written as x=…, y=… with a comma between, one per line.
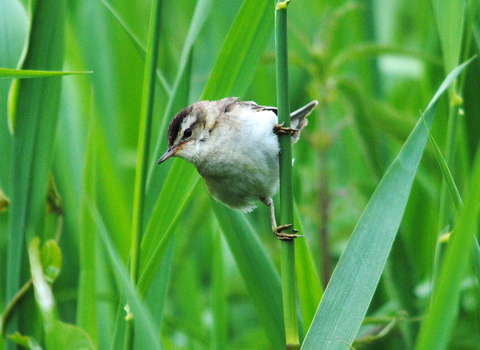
x=279, y=129
x=285, y=236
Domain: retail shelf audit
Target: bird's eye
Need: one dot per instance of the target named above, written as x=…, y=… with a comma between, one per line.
x=187, y=132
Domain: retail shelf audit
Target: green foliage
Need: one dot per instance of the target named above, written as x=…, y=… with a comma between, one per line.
x=58, y=335
x=208, y=277
x=357, y=274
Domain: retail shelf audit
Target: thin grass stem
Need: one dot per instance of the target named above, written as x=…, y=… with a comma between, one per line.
x=143, y=149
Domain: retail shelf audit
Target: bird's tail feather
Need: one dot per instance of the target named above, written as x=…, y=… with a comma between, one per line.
x=299, y=118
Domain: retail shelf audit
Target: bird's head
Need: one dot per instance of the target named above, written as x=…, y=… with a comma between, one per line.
x=188, y=131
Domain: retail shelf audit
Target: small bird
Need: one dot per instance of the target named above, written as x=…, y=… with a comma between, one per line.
x=234, y=146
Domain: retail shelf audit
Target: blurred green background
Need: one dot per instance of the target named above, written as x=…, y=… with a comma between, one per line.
x=372, y=65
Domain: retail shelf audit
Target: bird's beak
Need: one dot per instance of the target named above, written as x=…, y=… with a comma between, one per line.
x=170, y=153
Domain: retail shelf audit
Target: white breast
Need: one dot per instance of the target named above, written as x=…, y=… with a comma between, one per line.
x=241, y=165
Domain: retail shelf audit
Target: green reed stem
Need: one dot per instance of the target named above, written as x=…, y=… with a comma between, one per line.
x=286, y=186
x=143, y=149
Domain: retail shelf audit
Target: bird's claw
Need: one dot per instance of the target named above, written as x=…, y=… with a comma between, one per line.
x=285, y=236
x=280, y=129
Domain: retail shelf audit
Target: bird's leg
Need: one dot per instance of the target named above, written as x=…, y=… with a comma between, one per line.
x=277, y=230
x=280, y=129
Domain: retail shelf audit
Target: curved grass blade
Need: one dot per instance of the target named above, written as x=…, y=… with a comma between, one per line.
x=348, y=295
x=152, y=254
x=145, y=328
x=259, y=275
x=447, y=174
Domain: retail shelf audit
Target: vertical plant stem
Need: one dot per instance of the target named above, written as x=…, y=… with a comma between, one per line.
x=286, y=188
x=143, y=148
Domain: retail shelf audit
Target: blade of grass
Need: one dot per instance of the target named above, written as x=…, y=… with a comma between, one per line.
x=6, y=73
x=33, y=119
x=258, y=273
x=437, y=332
x=152, y=254
x=111, y=198
x=156, y=295
x=146, y=330
x=447, y=174
x=144, y=136
x=455, y=195
x=440, y=321
x=348, y=295
x=144, y=149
